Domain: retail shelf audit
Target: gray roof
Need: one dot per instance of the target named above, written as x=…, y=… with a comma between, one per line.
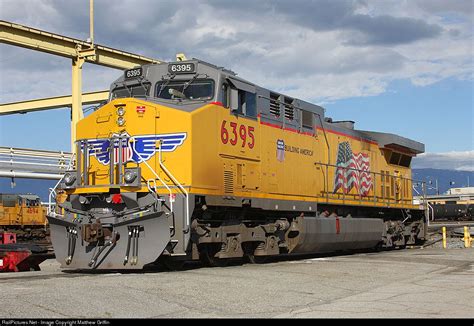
x=391, y=141
x=30, y=197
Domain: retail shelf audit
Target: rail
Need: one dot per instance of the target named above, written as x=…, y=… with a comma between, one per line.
x=156, y=176
x=51, y=210
x=173, y=178
x=180, y=186
x=33, y=161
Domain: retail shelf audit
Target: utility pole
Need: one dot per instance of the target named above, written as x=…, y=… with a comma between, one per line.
x=435, y=187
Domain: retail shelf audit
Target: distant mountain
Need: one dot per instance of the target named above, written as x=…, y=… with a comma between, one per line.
x=445, y=179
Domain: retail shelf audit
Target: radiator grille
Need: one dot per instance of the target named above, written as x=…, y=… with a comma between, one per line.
x=228, y=181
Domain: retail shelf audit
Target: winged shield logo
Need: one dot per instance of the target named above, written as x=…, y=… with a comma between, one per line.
x=134, y=148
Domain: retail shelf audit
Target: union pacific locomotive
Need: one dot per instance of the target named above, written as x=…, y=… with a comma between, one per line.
x=187, y=161
x=23, y=215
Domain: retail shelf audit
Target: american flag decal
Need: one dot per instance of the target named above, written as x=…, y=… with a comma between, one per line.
x=126, y=151
x=353, y=171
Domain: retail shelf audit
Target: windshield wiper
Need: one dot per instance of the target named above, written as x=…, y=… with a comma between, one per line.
x=140, y=80
x=122, y=85
x=186, y=84
x=163, y=85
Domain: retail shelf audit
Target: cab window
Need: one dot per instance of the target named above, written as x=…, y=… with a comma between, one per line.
x=199, y=89
x=131, y=91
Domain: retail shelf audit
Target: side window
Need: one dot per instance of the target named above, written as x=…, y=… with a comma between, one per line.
x=405, y=161
x=242, y=102
x=247, y=104
x=395, y=158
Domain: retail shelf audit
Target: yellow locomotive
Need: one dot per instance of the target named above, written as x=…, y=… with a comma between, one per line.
x=188, y=161
x=23, y=214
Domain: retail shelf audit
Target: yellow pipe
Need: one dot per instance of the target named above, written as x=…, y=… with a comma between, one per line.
x=444, y=236
x=467, y=237
x=76, y=108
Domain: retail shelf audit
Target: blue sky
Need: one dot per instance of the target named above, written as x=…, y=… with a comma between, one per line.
x=404, y=67
x=439, y=115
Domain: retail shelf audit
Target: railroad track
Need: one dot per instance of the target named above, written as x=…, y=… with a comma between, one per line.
x=450, y=224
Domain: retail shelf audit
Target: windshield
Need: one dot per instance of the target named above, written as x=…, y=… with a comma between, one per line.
x=140, y=90
x=199, y=89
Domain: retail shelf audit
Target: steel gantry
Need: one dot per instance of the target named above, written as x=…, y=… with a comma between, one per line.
x=51, y=103
x=33, y=163
x=79, y=52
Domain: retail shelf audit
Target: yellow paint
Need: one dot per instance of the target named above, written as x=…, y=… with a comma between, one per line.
x=208, y=163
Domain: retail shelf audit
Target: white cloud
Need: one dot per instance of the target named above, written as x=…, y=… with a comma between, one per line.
x=320, y=51
x=461, y=161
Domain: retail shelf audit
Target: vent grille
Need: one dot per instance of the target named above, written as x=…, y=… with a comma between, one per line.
x=228, y=182
x=289, y=111
x=274, y=105
x=307, y=119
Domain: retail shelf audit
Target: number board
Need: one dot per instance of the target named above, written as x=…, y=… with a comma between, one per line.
x=132, y=73
x=181, y=68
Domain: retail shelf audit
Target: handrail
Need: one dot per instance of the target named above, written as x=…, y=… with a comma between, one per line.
x=384, y=197
x=153, y=171
x=27, y=160
x=52, y=191
x=430, y=208
x=178, y=184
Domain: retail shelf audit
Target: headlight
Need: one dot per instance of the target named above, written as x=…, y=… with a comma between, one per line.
x=129, y=176
x=132, y=176
x=69, y=179
x=121, y=111
x=120, y=121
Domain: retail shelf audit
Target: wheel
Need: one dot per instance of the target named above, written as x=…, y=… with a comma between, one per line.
x=207, y=253
x=257, y=259
x=173, y=264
